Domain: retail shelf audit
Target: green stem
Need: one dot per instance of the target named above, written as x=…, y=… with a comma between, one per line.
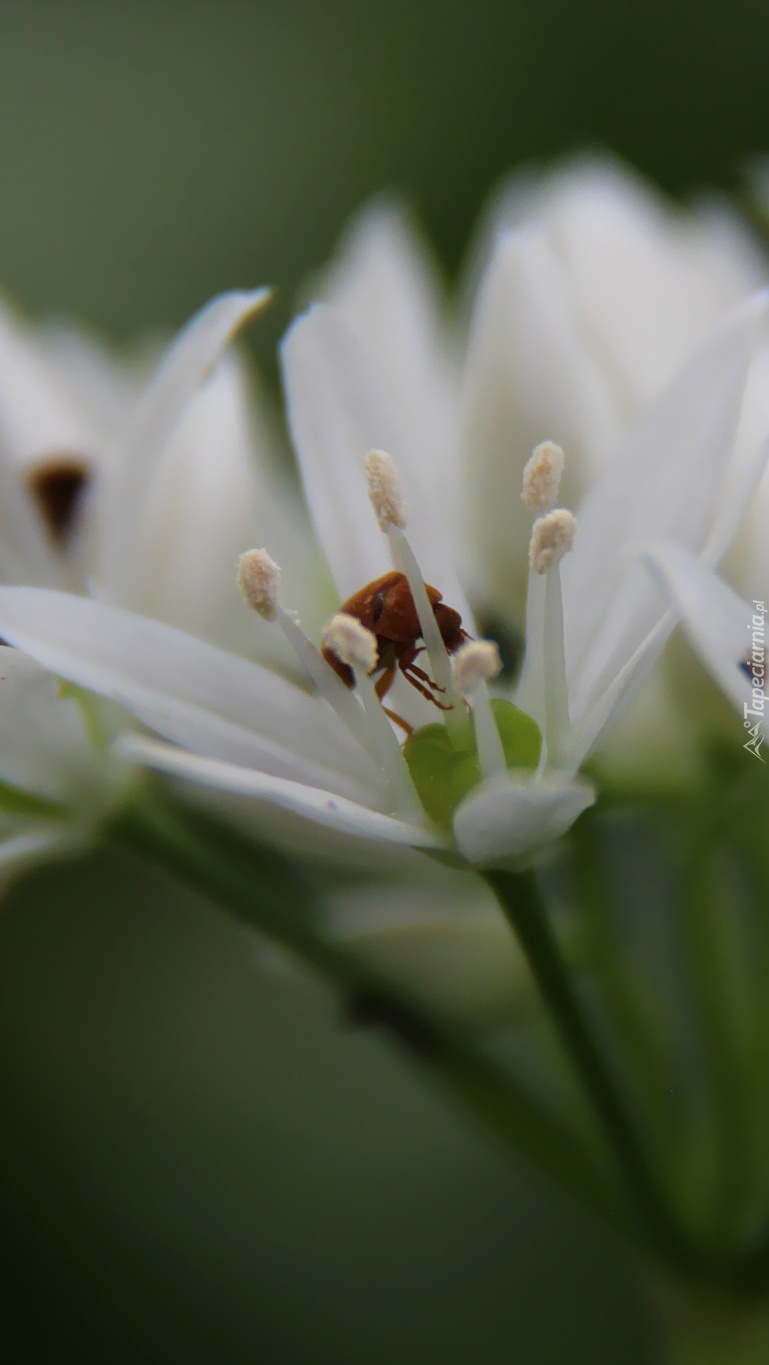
x=717, y=989
x=266, y=893
x=624, y=993
x=520, y=900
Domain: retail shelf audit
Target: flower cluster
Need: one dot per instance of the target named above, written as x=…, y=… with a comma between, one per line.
x=610, y=336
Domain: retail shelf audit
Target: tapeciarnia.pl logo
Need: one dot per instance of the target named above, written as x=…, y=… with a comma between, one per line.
x=754, y=665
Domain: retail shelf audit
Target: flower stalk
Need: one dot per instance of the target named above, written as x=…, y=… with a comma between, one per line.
x=522, y=904
x=265, y=892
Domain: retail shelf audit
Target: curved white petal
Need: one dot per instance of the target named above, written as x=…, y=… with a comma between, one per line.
x=215, y=492
x=104, y=383
x=337, y=412
x=442, y=934
x=25, y=553
x=39, y=416
x=717, y=622
x=187, y=690
x=647, y=280
x=666, y=484
x=45, y=749
x=383, y=283
x=185, y=365
x=589, y=726
x=513, y=816
x=326, y=808
x=528, y=377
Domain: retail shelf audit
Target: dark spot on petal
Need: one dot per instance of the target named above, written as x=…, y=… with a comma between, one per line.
x=746, y=667
x=57, y=484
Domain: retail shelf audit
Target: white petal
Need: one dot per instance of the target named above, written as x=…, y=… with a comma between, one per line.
x=648, y=280
x=589, y=726
x=38, y=416
x=185, y=365
x=514, y=816
x=441, y=934
x=103, y=382
x=737, y=497
x=666, y=484
x=337, y=412
x=326, y=808
x=529, y=376
x=383, y=283
x=44, y=745
x=717, y=623
x=217, y=491
x=189, y=691
x=25, y=554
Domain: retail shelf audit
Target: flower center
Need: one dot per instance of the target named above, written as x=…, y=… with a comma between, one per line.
x=445, y=774
x=384, y=627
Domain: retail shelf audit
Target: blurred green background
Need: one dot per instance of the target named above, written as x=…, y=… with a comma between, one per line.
x=198, y=1162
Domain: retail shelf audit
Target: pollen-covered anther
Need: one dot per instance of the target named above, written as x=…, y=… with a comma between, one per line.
x=259, y=582
x=475, y=662
x=552, y=537
x=542, y=476
x=384, y=490
x=352, y=643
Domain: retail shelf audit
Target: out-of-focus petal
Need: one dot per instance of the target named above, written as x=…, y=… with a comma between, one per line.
x=717, y=622
x=185, y=365
x=188, y=691
x=338, y=412
x=666, y=484
x=513, y=816
x=528, y=378
x=326, y=808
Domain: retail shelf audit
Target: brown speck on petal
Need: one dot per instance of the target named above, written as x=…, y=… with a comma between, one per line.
x=57, y=484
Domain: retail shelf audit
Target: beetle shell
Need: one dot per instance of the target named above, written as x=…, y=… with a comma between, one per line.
x=386, y=607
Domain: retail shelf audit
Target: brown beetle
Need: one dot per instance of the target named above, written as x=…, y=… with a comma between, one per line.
x=386, y=608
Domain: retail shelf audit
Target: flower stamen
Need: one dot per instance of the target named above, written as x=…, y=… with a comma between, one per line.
x=475, y=664
x=542, y=477
x=391, y=513
x=259, y=579
x=356, y=646
x=543, y=691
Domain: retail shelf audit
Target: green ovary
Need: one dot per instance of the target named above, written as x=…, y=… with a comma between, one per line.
x=444, y=774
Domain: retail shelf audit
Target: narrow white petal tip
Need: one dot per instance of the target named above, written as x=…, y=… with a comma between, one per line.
x=259, y=582
x=346, y=637
x=542, y=476
x=476, y=662
x=552, y=537
x=384, y=490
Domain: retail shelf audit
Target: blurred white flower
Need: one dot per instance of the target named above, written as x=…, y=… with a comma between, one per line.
x=595, y=290
x=108, y=480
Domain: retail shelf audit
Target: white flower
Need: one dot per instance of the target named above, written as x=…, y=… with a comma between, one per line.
x=108, y=479
x=595, y=292
x=595, y=624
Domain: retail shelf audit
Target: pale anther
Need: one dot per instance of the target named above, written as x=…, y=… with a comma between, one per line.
x=259, y=582
x=542, y=476
x=475, y=662
x=552, y=537
x=352, y=643
x=384, y=490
